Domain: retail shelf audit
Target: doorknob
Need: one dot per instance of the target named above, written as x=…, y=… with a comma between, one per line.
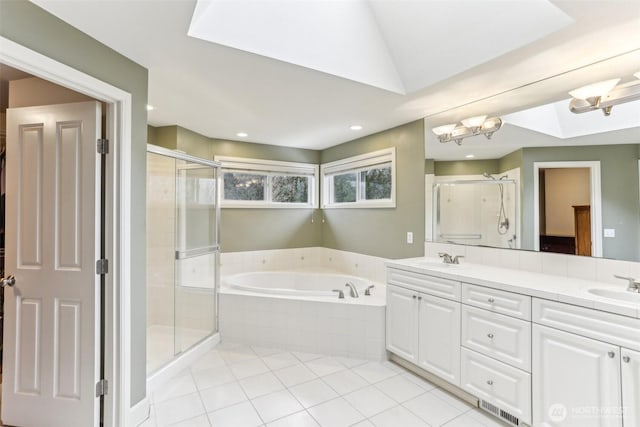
x=9, y=281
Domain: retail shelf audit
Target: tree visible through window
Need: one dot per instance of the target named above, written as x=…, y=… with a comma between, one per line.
x=244, y=186
x=290, y=189
x=363, y=181
x=377, y=183
x=344, y=188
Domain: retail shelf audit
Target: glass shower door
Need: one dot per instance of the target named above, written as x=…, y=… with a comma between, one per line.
x=182, y=253
x=196, y=254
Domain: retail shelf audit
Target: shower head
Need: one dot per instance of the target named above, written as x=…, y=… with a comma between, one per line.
x=489, y=176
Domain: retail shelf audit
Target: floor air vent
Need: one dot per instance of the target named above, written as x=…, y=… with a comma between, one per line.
x=503, y=415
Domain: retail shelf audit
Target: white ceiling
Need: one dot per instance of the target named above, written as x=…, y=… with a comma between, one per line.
x=443, y=54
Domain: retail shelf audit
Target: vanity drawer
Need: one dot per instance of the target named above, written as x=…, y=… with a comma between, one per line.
x=502, y=302
x=498, y=336
x=444, y=288
x=497, y=383
x=600, y=325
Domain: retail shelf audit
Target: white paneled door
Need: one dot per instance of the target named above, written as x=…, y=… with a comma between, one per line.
x=51, y=329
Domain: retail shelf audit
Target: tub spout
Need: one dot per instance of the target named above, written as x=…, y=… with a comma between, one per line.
x=340, y=293
x=353, y=292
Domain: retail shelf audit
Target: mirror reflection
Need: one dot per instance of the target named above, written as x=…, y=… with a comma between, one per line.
x=569, y=166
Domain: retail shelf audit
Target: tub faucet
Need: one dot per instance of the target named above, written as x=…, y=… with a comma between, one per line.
x=368, y=290
x=353, y=292
x=340, y=293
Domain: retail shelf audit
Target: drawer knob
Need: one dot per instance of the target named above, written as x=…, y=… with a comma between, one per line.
x=490, y=382
x=414, y=297
x=419, y=298
x=490, y=335
x=626, y=359
x=491, y=300
x=611, y=354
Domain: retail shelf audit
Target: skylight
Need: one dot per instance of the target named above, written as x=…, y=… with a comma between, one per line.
x=398, y=46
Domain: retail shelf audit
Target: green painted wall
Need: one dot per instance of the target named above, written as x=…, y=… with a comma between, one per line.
x=252, y=229
x=32, y=27
x=382, y=232
x=510, y=161
x=619, y=185
x=466, y=167
x=379, y=232
x=429, y=166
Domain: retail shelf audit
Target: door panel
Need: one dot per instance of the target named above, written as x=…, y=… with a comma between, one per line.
x=576, y=380
x=402, y=323
x=631, y=387
x=439, y=341
x=50, y=338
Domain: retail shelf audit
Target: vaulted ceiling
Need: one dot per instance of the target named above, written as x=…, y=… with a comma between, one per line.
x=300, y=73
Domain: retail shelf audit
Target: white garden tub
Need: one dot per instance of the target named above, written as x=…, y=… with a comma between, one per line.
x=299, y=311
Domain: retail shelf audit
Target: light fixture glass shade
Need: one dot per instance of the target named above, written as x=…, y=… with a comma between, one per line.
x=594, y=90
x=474, y=122
x=637, y=75
x=442, y=130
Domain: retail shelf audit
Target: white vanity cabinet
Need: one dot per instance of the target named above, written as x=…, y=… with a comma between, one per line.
x=631, y=387
x=584, y=373
x=423, y=328
x=402, y=322
x=571, y=375
x=439, y=337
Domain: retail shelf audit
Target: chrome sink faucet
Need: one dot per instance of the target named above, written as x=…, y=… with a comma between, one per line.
x=633, y=285
x=353, y=292
x=448, y=259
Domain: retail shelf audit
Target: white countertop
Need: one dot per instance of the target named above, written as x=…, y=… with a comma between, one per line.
x=557, y=288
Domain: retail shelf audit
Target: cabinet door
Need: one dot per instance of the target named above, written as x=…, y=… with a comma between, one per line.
x=402, y=322
x=631, y=387
x=576, y=380
x=439, y=341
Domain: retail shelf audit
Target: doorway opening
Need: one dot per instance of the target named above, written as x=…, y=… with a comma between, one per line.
x=567, y=208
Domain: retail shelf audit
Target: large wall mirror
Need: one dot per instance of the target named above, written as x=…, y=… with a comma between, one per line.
x=547, y=179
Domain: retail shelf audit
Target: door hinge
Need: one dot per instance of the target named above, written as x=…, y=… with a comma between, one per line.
x=102, y=388
x=103, y=146
x=102, y=266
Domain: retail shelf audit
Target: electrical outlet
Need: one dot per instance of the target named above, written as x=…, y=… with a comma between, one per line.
x=609, y=232
x=409, y=237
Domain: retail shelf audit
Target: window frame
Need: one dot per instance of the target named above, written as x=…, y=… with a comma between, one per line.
x=357, y=165
x=270, y=169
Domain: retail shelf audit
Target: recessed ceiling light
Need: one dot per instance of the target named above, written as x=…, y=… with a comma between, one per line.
x=150, y=107
x=242, y=134
x=470, y=156
x=355, y=127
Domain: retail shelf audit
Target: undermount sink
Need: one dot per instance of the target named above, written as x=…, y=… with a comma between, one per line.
x=620, y=295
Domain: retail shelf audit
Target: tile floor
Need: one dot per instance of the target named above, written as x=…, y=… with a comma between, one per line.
x=241, y=386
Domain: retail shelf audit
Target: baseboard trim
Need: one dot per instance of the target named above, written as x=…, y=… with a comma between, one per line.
x=456, y=391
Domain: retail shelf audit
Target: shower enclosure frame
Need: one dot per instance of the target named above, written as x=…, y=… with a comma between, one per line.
x=435, y=194
x=216, y=166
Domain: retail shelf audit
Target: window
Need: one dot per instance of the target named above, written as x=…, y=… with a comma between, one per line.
x=367, y=180
x=253, y=183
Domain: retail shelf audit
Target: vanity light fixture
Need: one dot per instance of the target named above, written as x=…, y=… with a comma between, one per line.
x=469, y=156
x=478, y=125
x=604, y=95
x=150, y=107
